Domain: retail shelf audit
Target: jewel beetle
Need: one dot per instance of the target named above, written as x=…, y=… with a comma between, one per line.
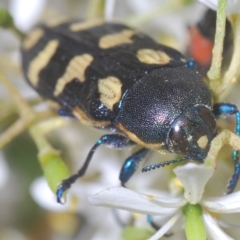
x=108, y=75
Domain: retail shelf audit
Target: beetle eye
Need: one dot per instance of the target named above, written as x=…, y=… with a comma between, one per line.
x=209, y=119
x=191, y=133
x=178, y=141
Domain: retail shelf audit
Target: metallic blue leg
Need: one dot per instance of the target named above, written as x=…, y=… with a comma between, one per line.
x=131, y=164
x=129, y=167
x=155, y=226
x=110, y=140
x=234, y=179
x=225, y=109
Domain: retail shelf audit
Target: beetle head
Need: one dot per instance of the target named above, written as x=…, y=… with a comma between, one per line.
x=192, y=132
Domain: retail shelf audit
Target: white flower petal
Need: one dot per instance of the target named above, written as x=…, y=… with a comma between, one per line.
x=126, y=199
x=213, y=230
x=109, y=10
x=169, y=202
x=210, y=3
x=109, y=228
x=225, y=204
x=194, y=178
x=76, y=197
x=42, y=194
x=26, y=13
x=169, y=224
x=233, y=6
x=223, y=224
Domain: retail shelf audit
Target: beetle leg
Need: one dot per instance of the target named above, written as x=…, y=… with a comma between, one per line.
x=225, y=109
x=128, y=169
x=155, y=226
x=110, y=140
x=131, y=164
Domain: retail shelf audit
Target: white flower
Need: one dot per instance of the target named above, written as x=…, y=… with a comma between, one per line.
x=77, y=202
x=194, y=178
x=26, y=13
x=233, y=6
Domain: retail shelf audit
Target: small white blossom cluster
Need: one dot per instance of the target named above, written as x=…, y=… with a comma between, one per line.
x=193, y=178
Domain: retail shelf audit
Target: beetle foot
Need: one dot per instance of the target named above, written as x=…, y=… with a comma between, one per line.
x=63, y=187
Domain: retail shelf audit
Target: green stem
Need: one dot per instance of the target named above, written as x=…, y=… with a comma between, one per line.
x=24, y=109
x=6, y=21
x=230, y=76
x=18, y=33
x=52, y=164
x=194, y=225
x=215, y=70
x=95, y=9
x=14, y=130
x=19, y=126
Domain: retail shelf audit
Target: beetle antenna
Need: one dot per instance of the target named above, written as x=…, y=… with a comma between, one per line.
x=162, y=164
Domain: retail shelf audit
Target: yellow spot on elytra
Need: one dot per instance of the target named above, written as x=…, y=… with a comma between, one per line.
x=41, y=61
x=75, y=70
x=115, y=39
x=202, y=142
x=80, y=26
x=151, y=56
x=110, y=90
x=32, y=38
